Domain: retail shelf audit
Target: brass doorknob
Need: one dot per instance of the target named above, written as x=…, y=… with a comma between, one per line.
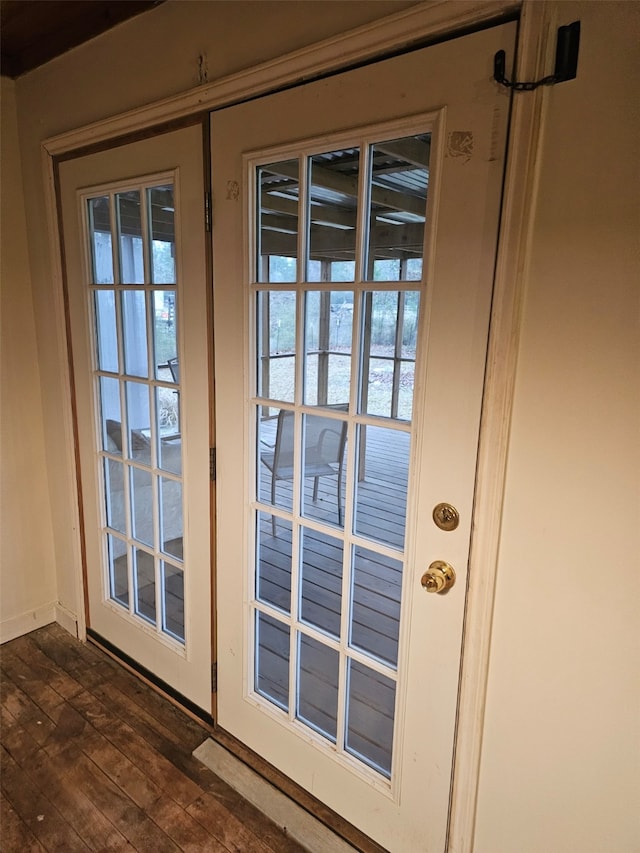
x=439, y=577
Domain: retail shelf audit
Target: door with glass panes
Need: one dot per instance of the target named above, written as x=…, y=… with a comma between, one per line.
x=134, y=235
x=356, y=221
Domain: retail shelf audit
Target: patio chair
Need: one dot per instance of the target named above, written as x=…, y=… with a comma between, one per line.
x=322, y=454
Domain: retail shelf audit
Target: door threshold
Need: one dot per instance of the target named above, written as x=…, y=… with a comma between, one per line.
x=322, y=832
x=186, y=705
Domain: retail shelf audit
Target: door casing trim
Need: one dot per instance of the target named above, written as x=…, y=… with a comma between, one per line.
x=427, y=20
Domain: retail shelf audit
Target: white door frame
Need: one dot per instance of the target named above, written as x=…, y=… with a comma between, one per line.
x=420, y=23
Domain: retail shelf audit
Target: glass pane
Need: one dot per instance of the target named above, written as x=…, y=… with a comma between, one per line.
x=100, y=237
x=134, y=328
x=276, y=344
x=275, y=451
x=381, y=489
x=114, y=495
x=139, y=421
x=370, y=711
x=389, y=335
x=375, y=604
x=130, y=237
x=142, y=505
x=328, y=332
x=273, y=559
x=272, y=660
x=277, y=204
x=333, y=205
x=172, y=600
x=410, y=310
x=318, y=686
x=145, y=580
x=163, y=239
x=321, y=581
x=111, y=415
x=323, y=457
x=168, y=411
x=165, y=335
x=398, y=183
x=168, y=433
x=106, y=330
x=172, y=527
x=118, y=574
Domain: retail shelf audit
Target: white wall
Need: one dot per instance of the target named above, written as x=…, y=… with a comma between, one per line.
x=561, y=757
x=27, y=572
x=559, y=769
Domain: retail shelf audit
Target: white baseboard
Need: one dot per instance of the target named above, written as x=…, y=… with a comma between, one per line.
x=24, y=623
x=67, y=620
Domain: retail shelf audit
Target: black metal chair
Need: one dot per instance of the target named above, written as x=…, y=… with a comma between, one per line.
x=322, y=452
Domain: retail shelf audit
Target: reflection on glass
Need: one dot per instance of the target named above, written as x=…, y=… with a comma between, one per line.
x=318, y=686
x=171, y=515
x=383, y=458
x=139, y=421
x=321, y=581
x=114, y=495
x=275, y=452
x=277, y=205
x=375, y=604
x=142, y=505
x=111, y=415
x=327, y=333
x=371, y=701
x=134, y=327
x=145, y=584
x=130, y=237
x=106, y=332
x=273, y=561
x=272, y=660
x=118, y=573
x=398, y=184
x=165, y=335
x=323, y=458
x=163, y=239
x=389, y=338
x=172, y=600
x=333, y=207
x=99, y=216
x=276, y=344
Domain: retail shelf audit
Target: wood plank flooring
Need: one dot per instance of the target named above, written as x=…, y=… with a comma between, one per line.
x=93, y=759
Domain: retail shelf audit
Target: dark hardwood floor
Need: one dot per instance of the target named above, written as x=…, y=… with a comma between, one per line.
x=94, y=759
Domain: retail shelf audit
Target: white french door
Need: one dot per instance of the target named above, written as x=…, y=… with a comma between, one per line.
x=355, y=227
x=133, y=224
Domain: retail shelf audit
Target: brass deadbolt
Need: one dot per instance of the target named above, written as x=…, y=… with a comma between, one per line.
x=446, y=516
x=439, y=577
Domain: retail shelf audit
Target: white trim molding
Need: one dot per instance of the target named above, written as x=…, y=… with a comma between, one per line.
x=425, y=21
x=26, y=622
x=521, y=178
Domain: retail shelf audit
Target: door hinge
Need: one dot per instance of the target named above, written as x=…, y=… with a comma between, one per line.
x=207, y=211
x=214, y=677
x=212, y=464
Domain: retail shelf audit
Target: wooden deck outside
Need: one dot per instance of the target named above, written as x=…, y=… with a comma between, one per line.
x=376, y=586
